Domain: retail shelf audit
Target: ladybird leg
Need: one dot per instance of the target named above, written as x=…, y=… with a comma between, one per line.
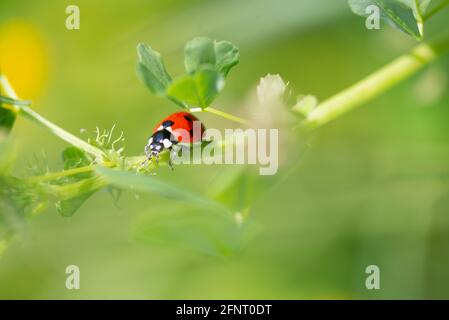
x=147, y=154
x=172, y=152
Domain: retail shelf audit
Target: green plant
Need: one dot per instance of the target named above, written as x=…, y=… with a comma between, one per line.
x=100, y=161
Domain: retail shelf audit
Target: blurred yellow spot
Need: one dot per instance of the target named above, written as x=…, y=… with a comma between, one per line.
x=23, y=58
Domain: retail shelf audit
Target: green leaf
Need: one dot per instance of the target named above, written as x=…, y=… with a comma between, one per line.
x=197, y=90
x=203, y=52
x=394, y=12
x=194, y=230
x=150, y=184
x=199, y=53
x=151, y=69
x=226, y=56
x=74, y=158
x=419, y=7
x=67, y=208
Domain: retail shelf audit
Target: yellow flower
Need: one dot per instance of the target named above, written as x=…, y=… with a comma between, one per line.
x=23, y=58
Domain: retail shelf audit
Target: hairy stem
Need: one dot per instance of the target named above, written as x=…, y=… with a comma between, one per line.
x=376, y=83
x=61, y=174
x=56, y=130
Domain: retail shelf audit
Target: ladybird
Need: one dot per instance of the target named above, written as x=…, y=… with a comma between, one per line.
x=177, y=127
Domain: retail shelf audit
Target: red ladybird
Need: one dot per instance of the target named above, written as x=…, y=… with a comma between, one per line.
x=177, y=127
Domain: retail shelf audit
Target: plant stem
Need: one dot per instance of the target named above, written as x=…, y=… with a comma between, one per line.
x=227, y=116
x=377, y=83
x=61, y=174
x=69, y=191
x=61, y=133
x=56, y=130
x=14, y=102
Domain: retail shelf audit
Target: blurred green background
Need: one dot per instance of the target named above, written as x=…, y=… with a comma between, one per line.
x=372, y=188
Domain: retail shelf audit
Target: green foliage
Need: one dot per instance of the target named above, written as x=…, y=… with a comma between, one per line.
x=203, y=52
x=199, y=53
x=405, y=15
x=207, y=64
x=151, y=69
x=198, y=89
x=7, y=116
x=151, y=184
x=195, y=230
x=74, y=158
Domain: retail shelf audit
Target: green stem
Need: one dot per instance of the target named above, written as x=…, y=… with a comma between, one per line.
x=14, y=101
x=377, y=83
x=227, y=116
x=78, y=188
x=56, y=130
x=62, y=174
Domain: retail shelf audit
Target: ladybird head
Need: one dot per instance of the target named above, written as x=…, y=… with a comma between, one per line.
x=160, y=140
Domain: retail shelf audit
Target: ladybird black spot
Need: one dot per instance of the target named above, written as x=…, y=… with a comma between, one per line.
x=191, y=132
x=188, y=118
x=167, y=123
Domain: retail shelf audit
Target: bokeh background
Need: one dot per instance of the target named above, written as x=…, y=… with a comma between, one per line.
x=371, y=188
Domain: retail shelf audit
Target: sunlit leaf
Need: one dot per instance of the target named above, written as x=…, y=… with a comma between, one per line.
x=394, y=12
x=151, y=69
x=226, y=55
x=199, y=53
x=74, y=158
x=197, y=90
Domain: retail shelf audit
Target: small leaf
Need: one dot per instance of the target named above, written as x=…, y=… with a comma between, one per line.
x=394, y=12
x=419, y=8
x=226, y=55
x=199, y=53
x=74, y=158
x=150, y=184
x=202, y=53
x=151, y=69
x=197, y=90
x=305, y=104
x=67, y=208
